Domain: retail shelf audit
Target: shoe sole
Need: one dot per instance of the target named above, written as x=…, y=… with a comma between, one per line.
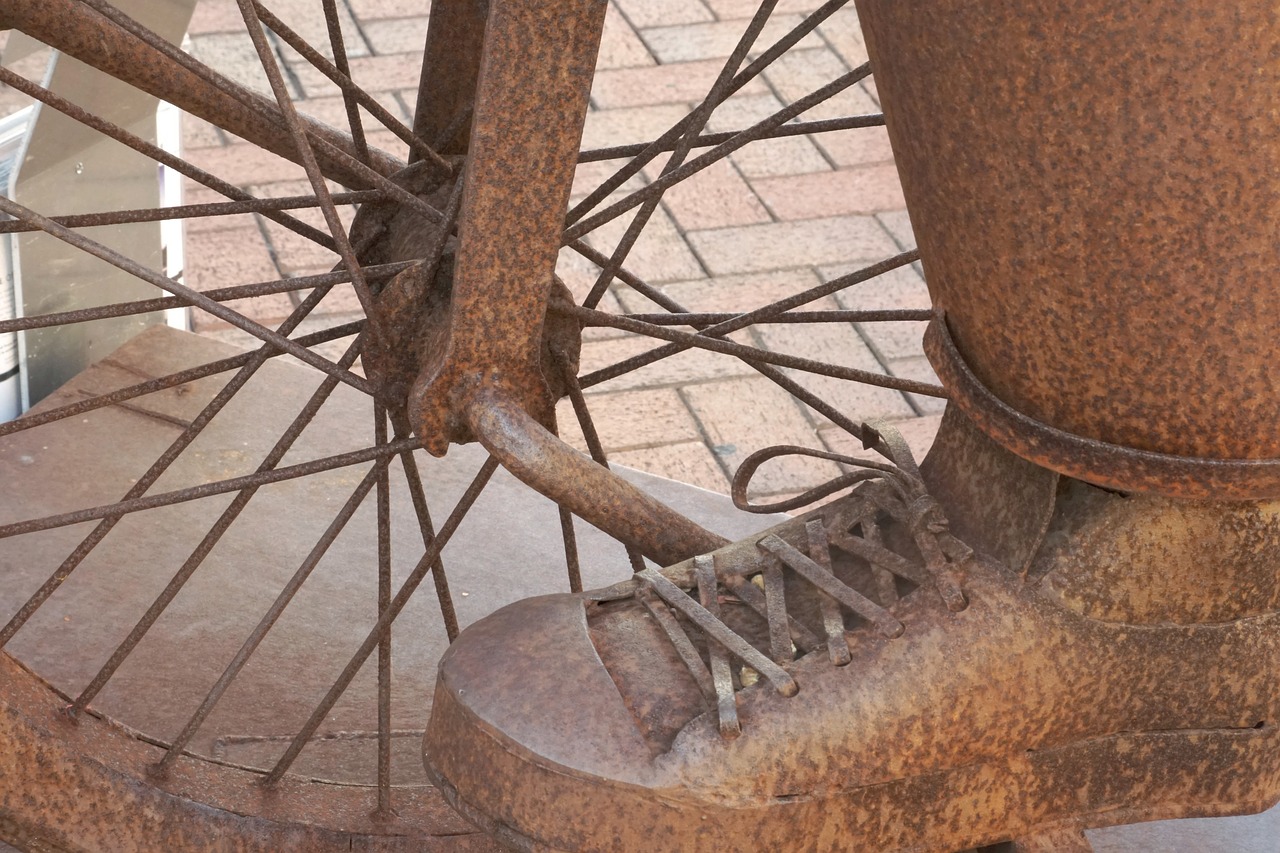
x=1088, y=784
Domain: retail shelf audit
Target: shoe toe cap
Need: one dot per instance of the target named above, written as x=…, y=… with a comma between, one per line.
x=527, y=684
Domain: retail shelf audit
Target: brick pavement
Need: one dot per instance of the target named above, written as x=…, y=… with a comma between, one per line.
x=775, y=217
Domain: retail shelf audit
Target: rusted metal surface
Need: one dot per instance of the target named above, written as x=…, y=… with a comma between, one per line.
x=534, y=81
x=1108, y=465
x=155, y=152
x=86, y=786
x=153, y=66
x=1096, y=220
x=581, y=485
x=1055, y=701
x=450, y=71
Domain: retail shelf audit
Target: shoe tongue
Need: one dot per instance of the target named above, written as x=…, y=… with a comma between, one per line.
x=655, y=685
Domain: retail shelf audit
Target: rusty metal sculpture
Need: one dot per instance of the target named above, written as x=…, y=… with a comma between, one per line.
x=1101, y=262
x=1065, y=617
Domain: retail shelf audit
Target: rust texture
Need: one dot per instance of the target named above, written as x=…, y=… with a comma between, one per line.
x=1094, y=196
x=534, y=81
x=450, y=69
x=493, y=360
x=1107, y=465
x=81, y=31
x=1058, y=699
x=86, y=786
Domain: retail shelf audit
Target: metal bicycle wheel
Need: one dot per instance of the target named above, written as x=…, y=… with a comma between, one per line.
x=110, y=568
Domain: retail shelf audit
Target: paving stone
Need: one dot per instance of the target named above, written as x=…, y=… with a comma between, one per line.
x=838, y=344
x=843, y=32
x=588, y=176
x=798, y=73
x=401, y=35
x=919, y=369
x=620, y=46
x=718, y=39
x=233, y=55
x=859, y=146
x=863, y=190
x=898, y=224
x=655, y=13
x=716, y=197
x=742, y=416
x=229, y=257
x=793, y=155
x=216, y=16
x=870, y=86
x=660, y=253
x=374, y=74
x=730, y=9
x=690, y=462
x=198, y=133
x=660, y=84
x=787, y=244
x=683, y=369
x=332, y=110
x=243, y=164
x=631, y=420
x=606, y=128
x=306, y=18
x=295, y=253
x=734, y=292
x=375, y=10
x=897, y=289
x=919, y=434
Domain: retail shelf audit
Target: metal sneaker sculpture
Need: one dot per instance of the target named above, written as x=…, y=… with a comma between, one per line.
x=1069, y=615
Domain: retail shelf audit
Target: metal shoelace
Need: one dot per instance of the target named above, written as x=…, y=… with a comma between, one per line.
x=895, y=488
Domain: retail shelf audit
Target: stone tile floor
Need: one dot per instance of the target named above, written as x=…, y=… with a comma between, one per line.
x=773, y=218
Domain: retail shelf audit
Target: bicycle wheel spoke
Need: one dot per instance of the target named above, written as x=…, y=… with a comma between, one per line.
x=418, y=496
x=704, y=340
x=206, y=490
x=198, y=299
x=191, y=211
x=739, y=321
x=670, y=137
x=166, y=459
x=222, y=294
x=211, y=539
x=16, y=81
x=393, y=610
x=696, y=122
x=571, y=560
x=273, y=614
x=833, y=316
x=384, y=601
x=171, y=380
x=706, y=140
x=350, y=98
x=341, y=76
x=308, y=158
x=719, y=152
x=594, y=446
